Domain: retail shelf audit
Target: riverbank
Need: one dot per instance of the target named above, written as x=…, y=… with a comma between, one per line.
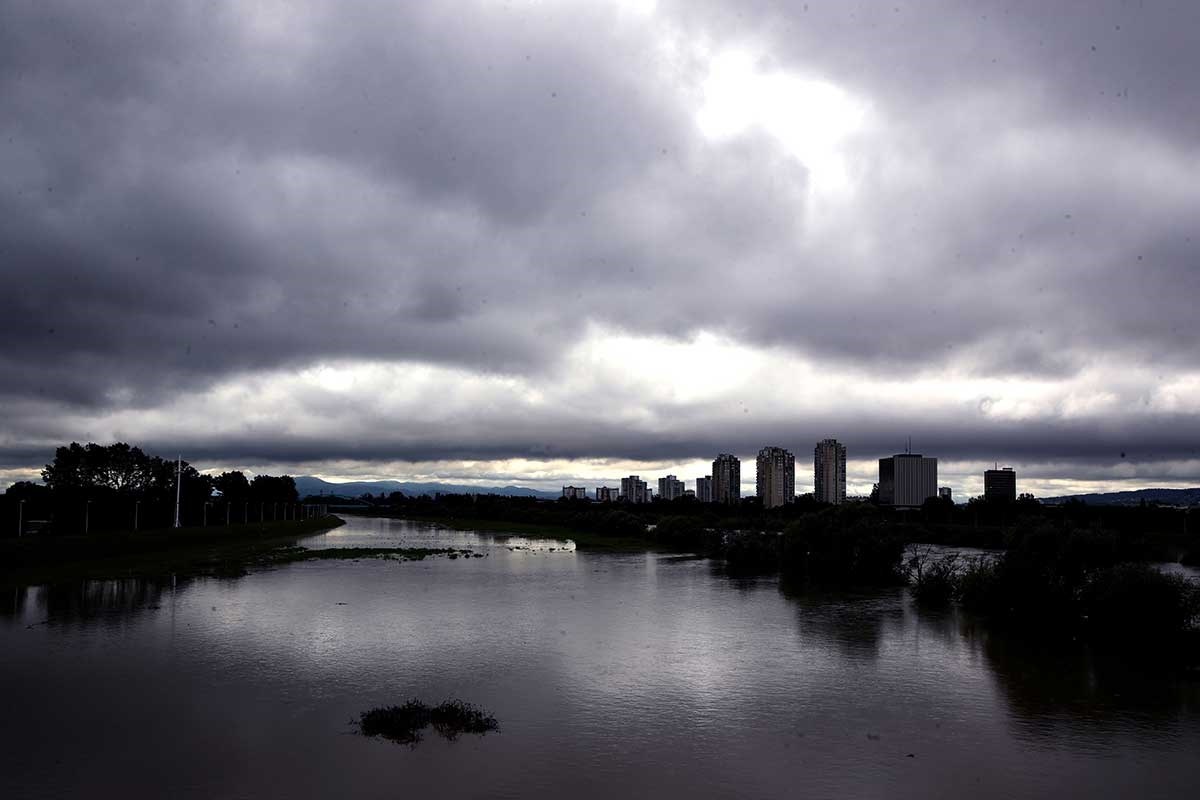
x=213, y=550
x=584, y=540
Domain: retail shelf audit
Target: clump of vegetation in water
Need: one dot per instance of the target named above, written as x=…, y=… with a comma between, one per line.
x=404, y=724
x=287, y=555
x=1068, y=580
x=933, y=580
x=1137, y=601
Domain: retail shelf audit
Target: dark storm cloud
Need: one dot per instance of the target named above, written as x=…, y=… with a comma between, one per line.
x=195, y=192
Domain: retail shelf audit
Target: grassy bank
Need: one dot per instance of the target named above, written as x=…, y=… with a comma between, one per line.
x=213, y=550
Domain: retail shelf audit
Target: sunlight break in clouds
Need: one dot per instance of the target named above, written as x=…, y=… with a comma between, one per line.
x=813, y=118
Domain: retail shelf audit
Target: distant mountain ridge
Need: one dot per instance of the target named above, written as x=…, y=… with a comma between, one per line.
x=309, y=484
x=1167, y=497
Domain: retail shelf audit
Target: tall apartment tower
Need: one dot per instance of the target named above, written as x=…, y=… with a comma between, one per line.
x=829, y=472
x=704, y=489
x=907, y=480
x=727, y=479
x=776, y=477
x=1000, y=484
x=633, y=489
x=670, y=488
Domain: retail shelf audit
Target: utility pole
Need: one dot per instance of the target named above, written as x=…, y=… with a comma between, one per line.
x=227, y=505
x=178, y=481
x=21, y=519
x=136, y=503
x=87, y=516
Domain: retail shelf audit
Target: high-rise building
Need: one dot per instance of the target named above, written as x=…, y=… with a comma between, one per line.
x=829, y=471
x=670, y=488
x=704, y=489
x=633, y=490
x=1000, y=484
x=776, y=479
x=727, y=479
x=574, y=493
x=607, y=494
x=946, y=493
x=906, y=480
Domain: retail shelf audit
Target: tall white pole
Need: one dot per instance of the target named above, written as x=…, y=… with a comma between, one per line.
x=178, y=481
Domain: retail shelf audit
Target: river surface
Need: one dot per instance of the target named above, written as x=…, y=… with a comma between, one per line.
x=630, y=675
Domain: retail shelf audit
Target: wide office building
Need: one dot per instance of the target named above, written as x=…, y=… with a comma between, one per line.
x=907, y=480
x=727, y=479
x=829, y=472
x=574, y=493
x=1000, y=484
x=704, y=489
x=776, y=478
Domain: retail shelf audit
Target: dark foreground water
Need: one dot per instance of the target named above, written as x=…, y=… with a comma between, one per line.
x=611, y=675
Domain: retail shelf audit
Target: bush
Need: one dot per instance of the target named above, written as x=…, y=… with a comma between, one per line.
x=684, y=533
x=839, y=546
x=751, y=552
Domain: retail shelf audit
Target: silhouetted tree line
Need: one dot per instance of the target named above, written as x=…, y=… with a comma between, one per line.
x=102, y=488
x=1146, y=532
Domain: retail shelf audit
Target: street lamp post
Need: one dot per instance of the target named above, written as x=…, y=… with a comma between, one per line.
x=20, y=518
x=136, y=503
x=87, y=516
x=227, y=507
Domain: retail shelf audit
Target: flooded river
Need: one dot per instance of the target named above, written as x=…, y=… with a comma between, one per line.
x=631, y=675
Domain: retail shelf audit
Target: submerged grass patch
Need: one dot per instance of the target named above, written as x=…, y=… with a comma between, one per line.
x=288, y=555
x=404, y=724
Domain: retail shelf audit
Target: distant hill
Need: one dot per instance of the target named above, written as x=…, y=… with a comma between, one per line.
x=1166, y=497
x=308, y=484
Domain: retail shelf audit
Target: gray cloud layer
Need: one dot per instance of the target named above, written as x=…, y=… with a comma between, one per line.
x=194, y=192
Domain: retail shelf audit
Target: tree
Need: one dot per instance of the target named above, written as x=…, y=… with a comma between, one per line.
x=233, y=486
x=117, y=466
x=69, y=469
x=272, y=489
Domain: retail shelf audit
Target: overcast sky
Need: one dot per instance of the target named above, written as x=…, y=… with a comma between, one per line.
x=552, y=242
